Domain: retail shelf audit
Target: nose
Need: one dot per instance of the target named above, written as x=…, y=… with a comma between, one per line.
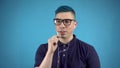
x=62, y=25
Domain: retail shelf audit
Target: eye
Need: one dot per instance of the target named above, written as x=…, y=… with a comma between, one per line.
x=58, y=21
x=67, y=21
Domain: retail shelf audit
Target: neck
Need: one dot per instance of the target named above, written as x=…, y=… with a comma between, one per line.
x=65, y=40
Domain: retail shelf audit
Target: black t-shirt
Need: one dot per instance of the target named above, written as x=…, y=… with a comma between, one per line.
x=75, y=54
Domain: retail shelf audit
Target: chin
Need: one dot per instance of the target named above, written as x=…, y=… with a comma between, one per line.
x=63, y=36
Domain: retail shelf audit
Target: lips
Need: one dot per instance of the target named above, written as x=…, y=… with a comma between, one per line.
x=62, y=32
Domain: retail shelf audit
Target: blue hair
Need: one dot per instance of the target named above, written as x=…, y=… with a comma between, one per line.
x=64, y=9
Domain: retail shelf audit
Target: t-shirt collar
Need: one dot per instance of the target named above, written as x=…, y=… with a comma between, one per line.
x=69, y=43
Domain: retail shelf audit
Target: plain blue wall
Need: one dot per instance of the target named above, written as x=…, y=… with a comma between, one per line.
x=24, y=25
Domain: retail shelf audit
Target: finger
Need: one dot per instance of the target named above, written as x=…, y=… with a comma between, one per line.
x=57, y=36
x=54, y=43
x=56, y=40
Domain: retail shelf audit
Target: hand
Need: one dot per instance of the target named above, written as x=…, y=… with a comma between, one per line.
x=52, y=44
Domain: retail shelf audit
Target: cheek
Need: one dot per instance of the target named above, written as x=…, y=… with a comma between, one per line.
x=70, y=29
x=56, y=28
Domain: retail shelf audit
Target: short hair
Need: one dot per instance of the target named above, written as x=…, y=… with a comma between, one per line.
x=65, y=9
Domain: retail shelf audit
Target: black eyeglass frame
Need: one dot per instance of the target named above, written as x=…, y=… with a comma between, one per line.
x=64, y=21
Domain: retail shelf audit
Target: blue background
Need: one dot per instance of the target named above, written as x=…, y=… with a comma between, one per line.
x=24, y=25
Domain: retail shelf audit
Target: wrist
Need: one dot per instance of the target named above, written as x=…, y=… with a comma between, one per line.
x=50, y=52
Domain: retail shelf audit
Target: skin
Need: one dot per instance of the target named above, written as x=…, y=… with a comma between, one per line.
x=64, y=34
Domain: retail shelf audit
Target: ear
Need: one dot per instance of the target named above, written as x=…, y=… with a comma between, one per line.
x=75, y=25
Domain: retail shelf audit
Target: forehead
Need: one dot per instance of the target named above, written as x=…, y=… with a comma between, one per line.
x=65, y=15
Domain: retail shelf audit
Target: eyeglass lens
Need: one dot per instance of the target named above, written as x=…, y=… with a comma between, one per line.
x=66, y=22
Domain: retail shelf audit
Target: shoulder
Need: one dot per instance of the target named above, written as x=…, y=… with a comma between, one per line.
x=88, y=53
x=85, y=48
x=42, y=48
x=84, y=44
x=43, y=45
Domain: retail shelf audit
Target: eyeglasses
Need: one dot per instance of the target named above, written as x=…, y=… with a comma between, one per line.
x=66, y=22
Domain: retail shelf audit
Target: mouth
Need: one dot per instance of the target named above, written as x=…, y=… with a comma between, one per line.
x=62, y=32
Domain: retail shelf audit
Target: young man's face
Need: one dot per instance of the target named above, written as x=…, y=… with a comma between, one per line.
x=65, y=24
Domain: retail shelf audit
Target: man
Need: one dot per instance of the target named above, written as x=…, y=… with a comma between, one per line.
x=64, y=50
